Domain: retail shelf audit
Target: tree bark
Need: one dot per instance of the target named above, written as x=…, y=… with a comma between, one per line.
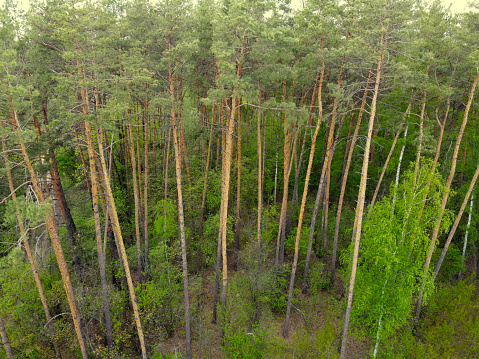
x=345, y=178
x=360, y=208
x=181, y=216
x=393, y=146
x=301, y=214
x=238, y=191
x=29, y=253
x=53, y=232
x=446, y=194
x=456, y=223
x=260, y=175
x=119, y=237
x=136, y=196
x=5, y=340
x=466, y=235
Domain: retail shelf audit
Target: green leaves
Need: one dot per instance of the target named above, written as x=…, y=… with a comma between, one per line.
x=393, y=250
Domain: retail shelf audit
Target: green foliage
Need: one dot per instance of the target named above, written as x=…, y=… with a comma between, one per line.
x=449, y=330
x=166, y=219
x=244, y=338
x=303, y=240
x=393, y=248
x=160, y=299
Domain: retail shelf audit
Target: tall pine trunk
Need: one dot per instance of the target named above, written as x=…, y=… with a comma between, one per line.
x=345, y=178
x=452, y=171
x=301, y=214
x=360, y=208
x=181, y=216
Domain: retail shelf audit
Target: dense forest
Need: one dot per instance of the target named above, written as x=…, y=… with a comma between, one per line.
x=238, y=179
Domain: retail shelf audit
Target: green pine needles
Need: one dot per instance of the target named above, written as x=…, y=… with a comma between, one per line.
x=393, y=250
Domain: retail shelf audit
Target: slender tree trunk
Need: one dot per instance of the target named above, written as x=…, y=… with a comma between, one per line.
x=53, y=232
x=181, y=216
x=296, y=179
x=101, y=256
x=279, y=259
x=238, y=191
x=421, y=134
x=203, y=200
x=446, y=194
x=146, y=183
x=29, y=253
x=82, y=156
x=165, y=195
x=260, y=174
x=301, y=213
x=466, y=235
x=360, y=208
x=5, y=340
x=345, y=178
x=119, y=237
x=136, y=196
x=456, y=223
x=393, y=146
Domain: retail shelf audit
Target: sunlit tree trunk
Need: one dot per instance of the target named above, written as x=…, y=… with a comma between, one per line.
x=119, y=237
x=345, y=178
x=446, y=194
x=181, y=216
x=301, y=214
x=29, y=253
x=53, y=232
x=360, y=208
x=456, y=223
x=393, y=146
x=466, y=236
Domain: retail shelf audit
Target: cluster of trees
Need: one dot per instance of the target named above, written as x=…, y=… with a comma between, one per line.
x=158, y=143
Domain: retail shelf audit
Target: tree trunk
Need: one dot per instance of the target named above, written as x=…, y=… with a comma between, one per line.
x=296, y=179
x=360, y=208
x=145, y=190
x=456, y=223
x=119, y=237
x=446, y=194
x=101, y=256
x=53, y=232
x=393, y=146
x=5, y=340
x=136, y=196
x=301, y=213
x=29, y=253
x=345, y=178
x=181, y=216
x=466, y=235
x=260, y=182
x=203, y=200
x=238, y=192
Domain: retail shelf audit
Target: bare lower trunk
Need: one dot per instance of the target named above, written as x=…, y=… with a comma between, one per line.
x=465, y=236
x=181, y=216
x=301, y=213
x=260, y=185
x=119, y=238
x=29, y=253
x=452, y=171
x=100, y=252
x=360, y=209
x=456, y=223
x=345, y=178
x=5, y=340
x=393, y=146
x=53, y=232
